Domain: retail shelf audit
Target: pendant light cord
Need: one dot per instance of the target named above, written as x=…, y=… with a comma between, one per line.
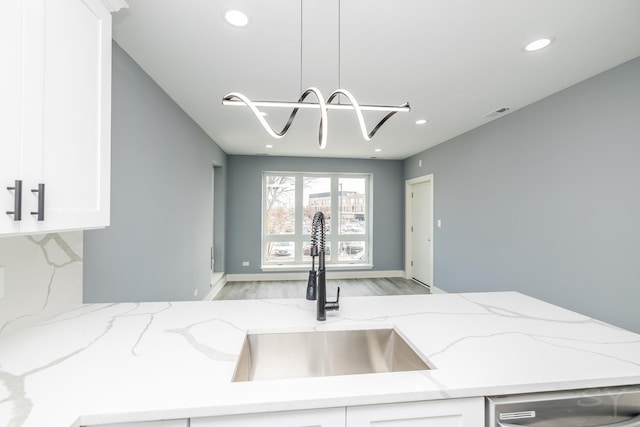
x=339, y=45
x=301, y=37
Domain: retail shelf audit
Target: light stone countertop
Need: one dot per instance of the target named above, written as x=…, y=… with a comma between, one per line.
x=107, y=363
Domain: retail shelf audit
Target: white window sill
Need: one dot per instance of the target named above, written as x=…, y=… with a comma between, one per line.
x=306, y=267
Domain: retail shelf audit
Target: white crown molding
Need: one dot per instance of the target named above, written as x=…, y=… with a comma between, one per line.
x=115, y=5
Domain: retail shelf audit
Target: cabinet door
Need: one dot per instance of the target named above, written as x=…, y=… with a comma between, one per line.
x=74, y=147
x=11, y=27
x=169, y=423
x=332, y=417
x=438, y=413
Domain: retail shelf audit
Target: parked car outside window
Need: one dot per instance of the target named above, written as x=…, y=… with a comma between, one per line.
x=282, y=249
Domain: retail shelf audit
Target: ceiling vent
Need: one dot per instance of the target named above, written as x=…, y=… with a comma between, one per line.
x=497, y=113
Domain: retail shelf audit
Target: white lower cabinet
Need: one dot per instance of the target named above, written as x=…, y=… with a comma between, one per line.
x=467, y=412
x=331, y=417
x=167, y=423
x=437, y=413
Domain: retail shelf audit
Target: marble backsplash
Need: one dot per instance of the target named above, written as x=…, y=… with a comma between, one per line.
x=43, y=277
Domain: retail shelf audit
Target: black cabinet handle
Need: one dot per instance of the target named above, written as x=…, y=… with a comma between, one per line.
x=17, y=200
x=40, y=212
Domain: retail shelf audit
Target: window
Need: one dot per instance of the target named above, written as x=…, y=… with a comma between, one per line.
x=290, y=200
x=279, y=220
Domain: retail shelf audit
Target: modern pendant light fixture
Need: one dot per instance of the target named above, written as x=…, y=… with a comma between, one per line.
x=322, y=104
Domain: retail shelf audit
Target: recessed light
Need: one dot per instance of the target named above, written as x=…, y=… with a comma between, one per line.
x=263, y=114
x=538, y=44
x=268, y=146
x=377, y=150
x=236, y=18
x=421, y=122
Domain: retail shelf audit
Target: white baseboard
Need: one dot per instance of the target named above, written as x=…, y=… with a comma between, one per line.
x=435, y=290
x=303, y=275
x=218, y=280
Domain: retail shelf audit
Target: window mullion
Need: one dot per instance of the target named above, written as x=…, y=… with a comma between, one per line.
x=263, y=246
x=298, y=238
x=335, y=217
x=368, y=217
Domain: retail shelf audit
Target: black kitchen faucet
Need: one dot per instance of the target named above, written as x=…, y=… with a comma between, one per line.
x=317, y=284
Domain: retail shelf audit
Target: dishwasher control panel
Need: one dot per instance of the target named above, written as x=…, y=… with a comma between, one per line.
x=593, y=407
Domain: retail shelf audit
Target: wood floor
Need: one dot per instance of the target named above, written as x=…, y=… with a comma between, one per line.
x=297, y=288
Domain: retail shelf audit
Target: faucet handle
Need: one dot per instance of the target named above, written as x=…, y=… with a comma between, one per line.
x=334, y=305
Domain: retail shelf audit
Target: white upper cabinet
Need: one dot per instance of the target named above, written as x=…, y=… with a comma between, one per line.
x=10, y=110
x=55, y=108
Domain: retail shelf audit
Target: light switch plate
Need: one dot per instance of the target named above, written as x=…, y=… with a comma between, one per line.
x=1, y=282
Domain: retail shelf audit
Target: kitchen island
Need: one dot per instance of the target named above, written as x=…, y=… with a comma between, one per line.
x=110, y=363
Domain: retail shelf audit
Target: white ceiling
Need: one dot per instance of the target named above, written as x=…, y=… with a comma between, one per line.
x=453, y=60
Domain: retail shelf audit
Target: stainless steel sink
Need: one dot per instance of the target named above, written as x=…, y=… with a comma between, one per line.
x=267, y=356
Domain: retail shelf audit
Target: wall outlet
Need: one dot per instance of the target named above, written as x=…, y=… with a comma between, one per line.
x=439, y=224
x=195, y=293
x=420, y=163
x=245, y=263
x=1, y=282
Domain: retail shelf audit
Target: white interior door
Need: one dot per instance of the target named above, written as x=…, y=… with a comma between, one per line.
x=422, y=232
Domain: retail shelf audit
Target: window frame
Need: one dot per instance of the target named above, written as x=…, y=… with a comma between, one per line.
x=299, y=239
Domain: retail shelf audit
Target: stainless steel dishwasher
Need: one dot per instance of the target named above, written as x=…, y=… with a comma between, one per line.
x=595, y=407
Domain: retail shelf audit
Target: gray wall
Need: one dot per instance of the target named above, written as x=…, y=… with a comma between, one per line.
x=546, y=200
x=245, y=205
x=158, y=245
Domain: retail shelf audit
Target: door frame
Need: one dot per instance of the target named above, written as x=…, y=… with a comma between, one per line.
x=408, y=217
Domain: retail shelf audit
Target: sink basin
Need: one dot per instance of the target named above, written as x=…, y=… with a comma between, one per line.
x=267, y=356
